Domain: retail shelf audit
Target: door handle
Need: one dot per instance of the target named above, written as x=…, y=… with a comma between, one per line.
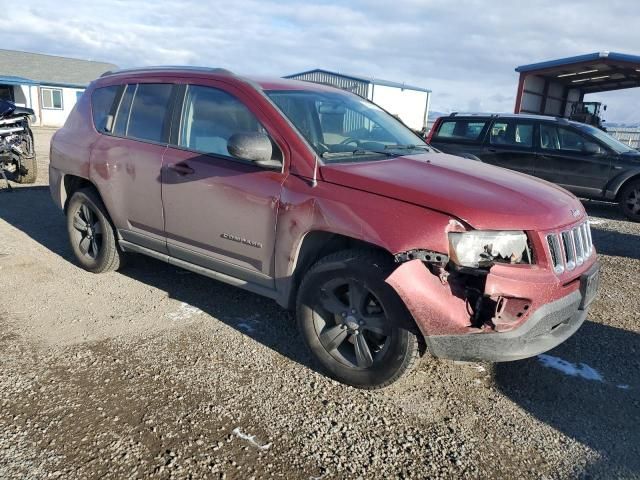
x=492, y=150
x=181, y=168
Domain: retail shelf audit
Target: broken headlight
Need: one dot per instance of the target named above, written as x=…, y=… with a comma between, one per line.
x=479, y=248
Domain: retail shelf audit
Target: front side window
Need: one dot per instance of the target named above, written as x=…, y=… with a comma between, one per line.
x=553, y=137
x=210, y=117
x=460, y=130
x=51, y=98
x=149, y=111
x=613, y=143
x=511, y=134
x=343, y=127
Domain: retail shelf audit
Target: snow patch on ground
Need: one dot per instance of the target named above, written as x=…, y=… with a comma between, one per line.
x=250, y=438
x=581, y=370
x=184, y=312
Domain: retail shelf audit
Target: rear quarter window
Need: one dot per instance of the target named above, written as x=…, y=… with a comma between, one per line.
x=102, y=102
x=465, y=130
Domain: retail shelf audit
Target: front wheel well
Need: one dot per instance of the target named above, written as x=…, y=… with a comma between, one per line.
x=316, y=245
x=635, y=178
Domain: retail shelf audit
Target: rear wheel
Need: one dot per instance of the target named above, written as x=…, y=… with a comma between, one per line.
x=630, y=200
x=353, y=322
x=91, y=234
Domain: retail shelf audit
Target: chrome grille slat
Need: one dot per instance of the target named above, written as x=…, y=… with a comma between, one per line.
x=570, y=248
x=577, y=242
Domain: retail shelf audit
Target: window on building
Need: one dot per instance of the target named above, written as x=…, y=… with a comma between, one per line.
x=6, y=92
x=51, y=98
x=149, y=111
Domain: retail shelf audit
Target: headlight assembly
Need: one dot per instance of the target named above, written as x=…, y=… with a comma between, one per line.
x=483, y=248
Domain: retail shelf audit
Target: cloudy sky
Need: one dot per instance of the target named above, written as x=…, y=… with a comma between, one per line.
x=465, y=51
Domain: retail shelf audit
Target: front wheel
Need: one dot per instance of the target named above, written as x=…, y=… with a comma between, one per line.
x=630, y=200
x=91, y=234
x=354, y=323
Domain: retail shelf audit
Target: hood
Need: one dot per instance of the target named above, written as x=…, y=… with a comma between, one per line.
x=484, y=196
x=632, y=155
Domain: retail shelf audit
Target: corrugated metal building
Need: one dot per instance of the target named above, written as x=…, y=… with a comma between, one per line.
x=408, y=102
x=49, y=84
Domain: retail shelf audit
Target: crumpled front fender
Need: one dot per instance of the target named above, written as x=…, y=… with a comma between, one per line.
x=435, y=308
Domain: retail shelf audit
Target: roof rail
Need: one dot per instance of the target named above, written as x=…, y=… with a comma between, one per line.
x=471, y=114
x=159, y=68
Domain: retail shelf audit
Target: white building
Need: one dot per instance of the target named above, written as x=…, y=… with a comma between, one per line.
x=409, y=103
x=48, y=84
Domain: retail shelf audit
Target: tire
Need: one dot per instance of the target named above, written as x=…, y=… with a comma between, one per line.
x=355, y=325
x=27, y=169
x=91, y=233
x=630, y=200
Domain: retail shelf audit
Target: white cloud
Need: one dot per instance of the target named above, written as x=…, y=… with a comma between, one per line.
x=464, y=51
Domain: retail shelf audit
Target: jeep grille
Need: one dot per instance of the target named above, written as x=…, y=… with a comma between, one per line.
x=570, y=248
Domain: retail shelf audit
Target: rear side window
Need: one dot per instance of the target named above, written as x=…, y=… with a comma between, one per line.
x=124, y=109
x=102, y=101
x=511, y=134
x=466, y=130
x=149, y=111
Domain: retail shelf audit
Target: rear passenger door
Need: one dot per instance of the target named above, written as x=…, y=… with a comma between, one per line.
x=220, y=211
x=510, y=144
x=127, y=160
x=573, y=160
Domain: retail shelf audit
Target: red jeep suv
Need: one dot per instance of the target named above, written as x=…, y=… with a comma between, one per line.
x=324, y=202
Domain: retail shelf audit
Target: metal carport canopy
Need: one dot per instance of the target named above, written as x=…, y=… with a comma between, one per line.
x=550, y=88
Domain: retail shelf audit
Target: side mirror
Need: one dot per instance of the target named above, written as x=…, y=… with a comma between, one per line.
x=255, y=147
x=591, y=148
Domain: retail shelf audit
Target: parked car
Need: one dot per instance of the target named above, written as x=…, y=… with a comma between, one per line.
x=579, y=157
x=319, y=199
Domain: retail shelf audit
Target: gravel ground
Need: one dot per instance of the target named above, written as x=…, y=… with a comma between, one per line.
x=157, y=372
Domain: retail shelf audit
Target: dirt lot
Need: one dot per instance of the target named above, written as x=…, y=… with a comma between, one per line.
x=157, y=372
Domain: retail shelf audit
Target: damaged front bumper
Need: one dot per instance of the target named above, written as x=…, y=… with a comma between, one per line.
x=531, y=310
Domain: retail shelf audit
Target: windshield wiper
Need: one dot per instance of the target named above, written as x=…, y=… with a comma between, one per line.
x=357, y=151
x=407, y=146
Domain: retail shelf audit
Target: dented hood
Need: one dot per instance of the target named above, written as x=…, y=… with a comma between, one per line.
x=484, y=196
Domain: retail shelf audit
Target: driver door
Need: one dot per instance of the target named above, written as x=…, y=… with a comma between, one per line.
x=573, y=160
x=220, y=211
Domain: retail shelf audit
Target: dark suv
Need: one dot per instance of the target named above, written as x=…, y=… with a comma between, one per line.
x=322, y=201
x=578, y=157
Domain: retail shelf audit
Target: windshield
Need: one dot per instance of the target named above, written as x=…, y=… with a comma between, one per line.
x=614, y=144
x=343, y=127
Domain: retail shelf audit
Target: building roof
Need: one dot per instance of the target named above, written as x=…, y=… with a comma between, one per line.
x=51, y=69
x=591, y=73
x=365, y=79
x=13, y=80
